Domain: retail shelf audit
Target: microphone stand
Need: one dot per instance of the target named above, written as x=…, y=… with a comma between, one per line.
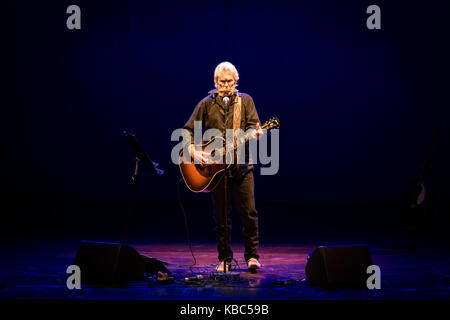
x=141, y=157
x=225, y=186
x=226, y=272
x=131, y=201
x=128, y=218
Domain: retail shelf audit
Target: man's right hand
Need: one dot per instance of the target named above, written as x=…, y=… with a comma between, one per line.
x=199, y=155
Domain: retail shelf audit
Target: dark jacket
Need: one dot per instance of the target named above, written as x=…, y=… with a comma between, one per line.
x=213, y=113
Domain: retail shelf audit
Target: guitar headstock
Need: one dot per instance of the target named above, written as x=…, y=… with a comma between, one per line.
x=273, y=123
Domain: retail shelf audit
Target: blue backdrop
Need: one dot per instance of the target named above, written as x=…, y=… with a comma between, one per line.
x=357, y=107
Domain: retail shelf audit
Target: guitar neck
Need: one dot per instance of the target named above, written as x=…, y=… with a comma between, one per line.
x=246, y=138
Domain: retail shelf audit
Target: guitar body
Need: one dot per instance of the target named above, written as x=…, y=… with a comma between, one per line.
x=204, y=178
x=200, y=178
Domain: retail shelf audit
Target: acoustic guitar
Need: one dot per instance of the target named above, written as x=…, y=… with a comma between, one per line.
x=205, y=177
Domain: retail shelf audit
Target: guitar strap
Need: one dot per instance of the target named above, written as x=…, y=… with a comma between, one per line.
x=237, y=114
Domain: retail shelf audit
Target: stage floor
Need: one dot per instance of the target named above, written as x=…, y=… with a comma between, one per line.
x=36, y=269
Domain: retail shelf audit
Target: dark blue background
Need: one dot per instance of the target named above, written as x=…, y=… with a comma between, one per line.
x=357, y=107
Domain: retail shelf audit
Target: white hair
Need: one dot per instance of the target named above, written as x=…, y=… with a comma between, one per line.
x=225, y=66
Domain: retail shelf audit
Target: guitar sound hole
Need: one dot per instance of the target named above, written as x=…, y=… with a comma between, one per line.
x=203, y=170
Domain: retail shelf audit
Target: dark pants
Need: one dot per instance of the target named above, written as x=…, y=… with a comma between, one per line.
x=244, y=201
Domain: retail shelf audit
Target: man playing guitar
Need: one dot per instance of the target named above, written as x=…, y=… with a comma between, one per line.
x=226, y=108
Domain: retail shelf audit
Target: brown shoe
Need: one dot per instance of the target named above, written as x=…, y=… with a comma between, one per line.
x=253, y=265
x=221, y=265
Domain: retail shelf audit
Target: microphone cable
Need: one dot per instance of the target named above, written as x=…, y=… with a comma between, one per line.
x=180, y=203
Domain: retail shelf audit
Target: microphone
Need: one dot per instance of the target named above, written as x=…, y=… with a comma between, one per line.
x=226, y=100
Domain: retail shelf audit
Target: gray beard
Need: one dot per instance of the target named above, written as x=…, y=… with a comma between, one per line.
x=226, y=92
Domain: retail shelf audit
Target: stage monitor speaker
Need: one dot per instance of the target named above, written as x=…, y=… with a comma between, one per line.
x=113, y=263
x=339, y=266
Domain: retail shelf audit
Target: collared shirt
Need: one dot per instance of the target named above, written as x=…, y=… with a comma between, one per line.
x=215, y=114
